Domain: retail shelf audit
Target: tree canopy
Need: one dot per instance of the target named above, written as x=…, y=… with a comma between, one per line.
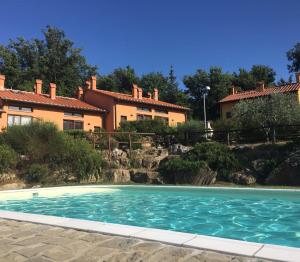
x=246, y=80
x=52, y=59
x=277, y=109
x=293, y=56
x=219, y=84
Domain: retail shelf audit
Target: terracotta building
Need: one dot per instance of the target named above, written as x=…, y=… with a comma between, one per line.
x=20, y=107
x=228, y=102
x=130, y=107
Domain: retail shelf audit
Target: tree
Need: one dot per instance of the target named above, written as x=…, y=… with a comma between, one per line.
x=293, y=55
x=267, y=112
x=52, y=59
x=246, y=80
x=154, y=80
x=120, y=80
x=168, y=87
x=282, y=81
x=219, y=83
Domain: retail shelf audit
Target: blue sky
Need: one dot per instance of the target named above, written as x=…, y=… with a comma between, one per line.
x=152, y=35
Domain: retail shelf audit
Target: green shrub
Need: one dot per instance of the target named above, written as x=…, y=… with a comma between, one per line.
x=81, y=160
x=190, y=132
x=43, y=144
x=157, y=126
x=77, y=133
x=217, y=156
x=8, y=158
x=37, y=173
x=221, y=129
x=170, y=169
x=39, y=141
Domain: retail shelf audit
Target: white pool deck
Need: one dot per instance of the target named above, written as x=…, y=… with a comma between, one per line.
x=223, y=245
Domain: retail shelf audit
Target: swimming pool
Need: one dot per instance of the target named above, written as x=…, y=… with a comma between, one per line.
x=264, y=216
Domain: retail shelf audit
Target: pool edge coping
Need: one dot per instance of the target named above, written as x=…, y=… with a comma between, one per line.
x=204, y=242
x=152, y=186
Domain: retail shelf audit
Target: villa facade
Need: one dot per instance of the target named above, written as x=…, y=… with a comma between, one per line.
x=130, y=107
x=91, y=110
x=227, y=103
x=21, y=107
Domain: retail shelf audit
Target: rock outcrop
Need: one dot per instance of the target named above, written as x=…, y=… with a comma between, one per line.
x=288, y=173
x=242, y=178
x=178, y=149
x=7, y=177
x=118, y=175
x=144, y=176
x=204, y=176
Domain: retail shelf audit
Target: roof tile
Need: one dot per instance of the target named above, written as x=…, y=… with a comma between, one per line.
x=44, y=99
x=144, y=100
x=267, y=91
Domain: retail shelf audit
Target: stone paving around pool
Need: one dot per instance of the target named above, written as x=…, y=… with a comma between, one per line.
x=22, y=241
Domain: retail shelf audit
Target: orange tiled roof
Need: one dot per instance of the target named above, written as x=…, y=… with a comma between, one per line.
x=44, y=99
x=267, y=91
x=144, y=100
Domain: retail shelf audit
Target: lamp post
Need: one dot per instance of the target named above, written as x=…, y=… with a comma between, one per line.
x=205, y=93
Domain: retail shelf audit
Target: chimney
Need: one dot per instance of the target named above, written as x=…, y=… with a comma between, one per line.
x=52, y=90
x=134, y=91
x=140, y=93
x=155, y=94
x=79, y=93
x=233, y=90
x=260, y=86
x=38, y=86
x=2, y=80
x=88, y=84
x=297, y=77
x=149, y=95
x=94, y=82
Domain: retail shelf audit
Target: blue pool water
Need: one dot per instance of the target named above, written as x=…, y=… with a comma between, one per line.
x=265, y=216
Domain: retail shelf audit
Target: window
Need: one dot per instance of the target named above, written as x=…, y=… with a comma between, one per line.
x=18, y=120
x=97, y=129
x=123, y=118
x=144, y=109
x=161, y=111
x=72, y=124
x=228, y=115
x=73, y=114
x=20, y=108
x=164, y=119
x=143, y=117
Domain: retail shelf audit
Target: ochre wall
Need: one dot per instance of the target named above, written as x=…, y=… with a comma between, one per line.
x=90, y=119
x=105, y=102
x=226, y=107
x=116, y=109
x=131, y=111
x=176, y=118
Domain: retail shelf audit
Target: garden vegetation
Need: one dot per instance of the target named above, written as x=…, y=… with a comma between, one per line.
x=43, y=154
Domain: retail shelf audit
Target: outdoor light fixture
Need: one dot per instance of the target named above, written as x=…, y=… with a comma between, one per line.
x=205, y=93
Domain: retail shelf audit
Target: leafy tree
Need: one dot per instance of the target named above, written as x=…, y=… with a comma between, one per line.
x=154, y=80
x=282, y=81
x=120, y=80
x=246, y=80
x=219, y=83
x=267, y=112
x=293, y=55
x=263, y=73
x=169, y=90
x=52, y=59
